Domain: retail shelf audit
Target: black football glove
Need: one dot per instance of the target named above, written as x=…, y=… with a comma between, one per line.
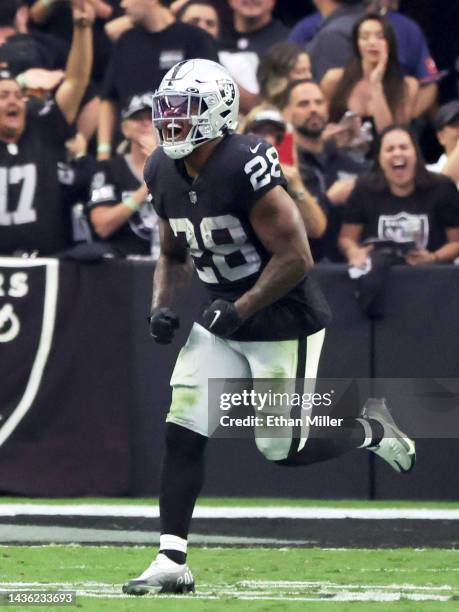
x=221, y=318
x=163, y=323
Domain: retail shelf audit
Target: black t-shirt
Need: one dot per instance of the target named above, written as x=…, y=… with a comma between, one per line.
x=210, y=216
x=113, y=181
x=318, y=173
x=140, y=59
x=241, y=53
x=257, y=41
x=32, y=216
x=421, y=217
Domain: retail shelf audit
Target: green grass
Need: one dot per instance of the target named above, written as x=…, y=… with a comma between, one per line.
x=219, y=569
x=242, y=501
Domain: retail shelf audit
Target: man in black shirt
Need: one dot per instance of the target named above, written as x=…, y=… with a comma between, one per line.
x=243, y=45
x=120, y=210
x=142, y=56
x=221, y=200
x=32, y=137
x=327, y=171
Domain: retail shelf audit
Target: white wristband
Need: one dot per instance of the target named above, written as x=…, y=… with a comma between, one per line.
x=131, y=203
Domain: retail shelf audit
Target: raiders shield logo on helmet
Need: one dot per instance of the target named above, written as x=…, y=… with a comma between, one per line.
x=28, y=298
x=227, y=91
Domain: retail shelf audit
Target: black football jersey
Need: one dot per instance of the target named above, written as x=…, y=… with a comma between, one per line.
x=113, y=181
x=210, y=216
x=32, y=217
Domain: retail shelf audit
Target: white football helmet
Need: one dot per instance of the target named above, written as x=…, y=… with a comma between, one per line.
x=197, y=101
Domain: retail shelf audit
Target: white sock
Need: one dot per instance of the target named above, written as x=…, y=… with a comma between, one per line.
x=172, y=542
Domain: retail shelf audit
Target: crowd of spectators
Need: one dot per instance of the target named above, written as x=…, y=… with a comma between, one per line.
x=344, y=95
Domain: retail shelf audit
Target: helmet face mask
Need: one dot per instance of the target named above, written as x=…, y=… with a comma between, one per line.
x=178, y=119
x=196, y=102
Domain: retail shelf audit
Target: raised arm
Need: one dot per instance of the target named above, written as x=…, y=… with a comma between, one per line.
x=107, y=120
x=378, y=105
x=79, y=62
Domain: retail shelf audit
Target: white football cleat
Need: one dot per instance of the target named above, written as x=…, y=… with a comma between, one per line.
x=162, y=576
x=396, y=448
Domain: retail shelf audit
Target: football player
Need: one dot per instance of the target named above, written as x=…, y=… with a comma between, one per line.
x=220, y=198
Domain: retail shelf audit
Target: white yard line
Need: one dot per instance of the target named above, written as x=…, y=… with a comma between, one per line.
x=259, y=591
x=311, y=584
x=222, y=512
x=371, y=597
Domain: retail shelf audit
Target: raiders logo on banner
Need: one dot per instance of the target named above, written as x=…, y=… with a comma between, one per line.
x=28, y=299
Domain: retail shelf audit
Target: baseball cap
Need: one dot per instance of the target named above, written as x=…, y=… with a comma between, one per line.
x=266, y=116
x=447, y=114
x=137, y=103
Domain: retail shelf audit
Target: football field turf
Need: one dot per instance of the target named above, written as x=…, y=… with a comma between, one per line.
x=228, y=578
x=232, y=579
